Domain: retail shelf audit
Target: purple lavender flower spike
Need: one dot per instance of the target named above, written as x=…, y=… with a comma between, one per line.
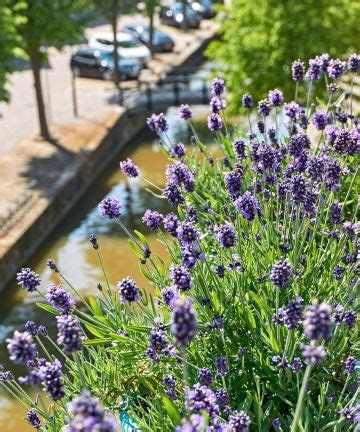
x=350, y=365
x=31, y=328
x=171, y=223
x=247, y=101
x=315, y=69
x=128, y=290
x=152, y=122
x=239, y=148
x=129, y=168
x=248, y=206
x=28, y=279
x=178, y=151
x=353, y=63
x=336, y=69
x=205, y=376
x=335, y=213
x=275, y=97
x=184, y=323
x=168, y=294
x=298, y=143
x=110, y=207
x=60, y=299
x=233, y=182
x=318, y=322
x=264, y=108
x=70, y=335
x=201, y=398
x=187, y=233
x=281, y=273
x=320, y=120
x=276, y=423
x=298, y=70
x=217, y=86
x=214, y=122
x=313, y=355
x=332, y=174
x=93, y=241
x=153, y=219
x=185, y=112
x=293, y=315
x=222, y=397
x=225, y=235
x=217, y=104
x=181, y=278
x=21, y=347
x=239, y=422
x=291, y=109
x=33, y=419
x=162, y=123
x=221, y=366
x=88, y=415
x=173, y=194
x=52, y=265
x=52, y=379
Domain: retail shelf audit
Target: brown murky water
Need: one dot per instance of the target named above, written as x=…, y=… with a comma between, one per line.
x=70, y=249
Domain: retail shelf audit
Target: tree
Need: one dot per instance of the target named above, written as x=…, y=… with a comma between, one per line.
x=260, y=39
x=150, y=8
x=8, y=41
x=39, y=25
x=111, y=9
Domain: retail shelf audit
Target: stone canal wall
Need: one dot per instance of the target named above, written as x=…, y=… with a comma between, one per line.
x=61, y=172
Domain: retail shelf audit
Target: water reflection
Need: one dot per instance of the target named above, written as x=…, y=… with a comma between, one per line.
x=70, y=249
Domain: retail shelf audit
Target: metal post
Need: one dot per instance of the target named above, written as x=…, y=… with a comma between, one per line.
x=73, y=94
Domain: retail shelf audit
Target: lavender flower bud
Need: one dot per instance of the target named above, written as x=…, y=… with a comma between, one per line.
x=183, y=321
x=128, y=290
x=110, y=207
x=28, y=279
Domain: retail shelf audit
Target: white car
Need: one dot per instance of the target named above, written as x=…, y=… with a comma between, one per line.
x=129, y=47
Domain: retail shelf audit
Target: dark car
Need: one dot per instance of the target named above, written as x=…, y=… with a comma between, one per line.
x=161, y=41
x=203, y=7
x=95, y=63
x=173, y=16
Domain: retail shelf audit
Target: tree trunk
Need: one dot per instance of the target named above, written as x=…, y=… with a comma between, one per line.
x=35, y=60
x=184, y=23
x=151, y=32
x=117, y=71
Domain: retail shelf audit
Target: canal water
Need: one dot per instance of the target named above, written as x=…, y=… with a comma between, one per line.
x=70, y=248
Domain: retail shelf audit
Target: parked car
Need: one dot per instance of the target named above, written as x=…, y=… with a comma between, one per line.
x=95, y=63
x=162, y=42
x=129, y=47
x=203, y=7
x=173, y=16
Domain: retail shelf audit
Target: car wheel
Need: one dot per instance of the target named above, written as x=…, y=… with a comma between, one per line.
x=107, y=75
x=77, y=71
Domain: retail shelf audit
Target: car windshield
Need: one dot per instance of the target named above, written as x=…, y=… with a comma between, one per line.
x=131, y=43
x=178, y=9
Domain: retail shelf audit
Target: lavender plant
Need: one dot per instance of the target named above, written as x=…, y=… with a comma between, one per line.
x=252, y=325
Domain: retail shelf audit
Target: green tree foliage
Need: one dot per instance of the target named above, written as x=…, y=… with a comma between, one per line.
x=7, y=46
x=39, y=25
x=260, y=39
